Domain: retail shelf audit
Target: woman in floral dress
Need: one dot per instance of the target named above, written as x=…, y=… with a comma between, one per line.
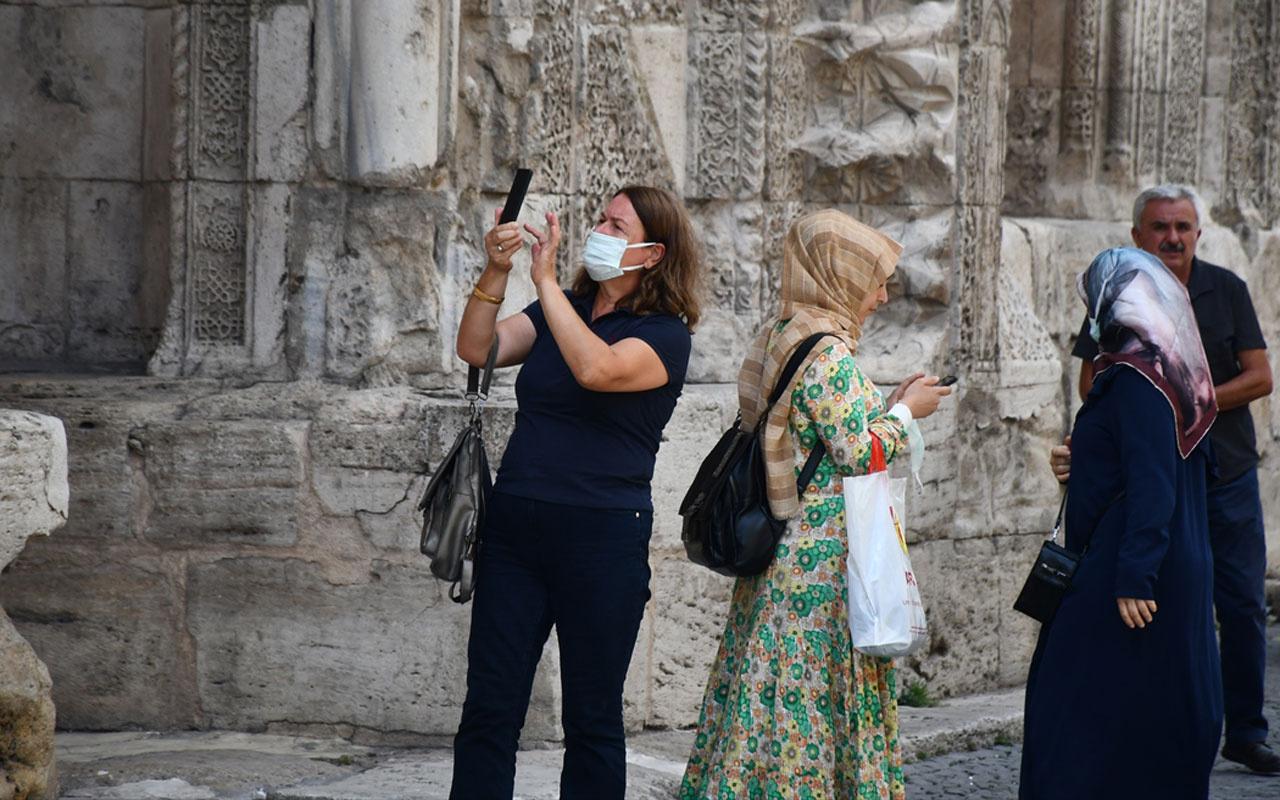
x=791, y=710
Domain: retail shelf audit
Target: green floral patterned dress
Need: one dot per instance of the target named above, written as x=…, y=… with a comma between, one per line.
x=790, y=710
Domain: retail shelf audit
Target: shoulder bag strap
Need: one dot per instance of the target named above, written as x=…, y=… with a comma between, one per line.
x=1062, y=507
x=478, y=389
x=784, y=382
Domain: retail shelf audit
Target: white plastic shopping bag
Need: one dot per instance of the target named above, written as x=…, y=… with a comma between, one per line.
x=886, y=617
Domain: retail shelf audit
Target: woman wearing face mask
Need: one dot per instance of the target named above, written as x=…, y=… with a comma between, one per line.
x=790, y=709
x=566, y=533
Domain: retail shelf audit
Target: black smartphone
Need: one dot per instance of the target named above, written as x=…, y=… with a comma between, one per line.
x=515, y=197
x=947, y=381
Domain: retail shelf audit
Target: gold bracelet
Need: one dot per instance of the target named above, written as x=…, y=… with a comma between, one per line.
x=488, y=298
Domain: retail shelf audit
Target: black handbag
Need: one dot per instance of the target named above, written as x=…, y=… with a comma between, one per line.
x=453, y=504
x=1051, y=575
x=728, y=526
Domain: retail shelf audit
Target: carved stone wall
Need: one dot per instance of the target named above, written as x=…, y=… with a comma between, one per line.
x=286, y=218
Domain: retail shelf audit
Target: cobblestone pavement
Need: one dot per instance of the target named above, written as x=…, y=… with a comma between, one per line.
x=992, y=773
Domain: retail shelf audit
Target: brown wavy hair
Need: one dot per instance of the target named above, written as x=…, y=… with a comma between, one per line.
x=671, y=287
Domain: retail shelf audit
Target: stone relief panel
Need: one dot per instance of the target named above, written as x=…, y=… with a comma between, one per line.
x=617, y=142
x=1253, y=157
x=209, y=232
x=1080, y=78
x=881, y=126
x=1184, y=83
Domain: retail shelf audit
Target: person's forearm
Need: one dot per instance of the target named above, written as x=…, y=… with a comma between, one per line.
x=480, y=317
x=1243, y=389
x=586, y=353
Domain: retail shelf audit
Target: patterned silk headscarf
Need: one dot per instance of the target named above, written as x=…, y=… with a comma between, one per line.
x=1141, y=316
x=830, y=264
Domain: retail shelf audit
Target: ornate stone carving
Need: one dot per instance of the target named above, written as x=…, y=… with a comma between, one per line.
x=211, y=75
x=217, y=263
x=1080, y=76
x=624, y=146
x=1031, y=129
x=1149, y=100
x=714, y=159
x=884, y=101
x=785, y=115
x=1118, y=152
x=1253, y=157
x=1184, y=80
x=221, y=90
x=551, y=119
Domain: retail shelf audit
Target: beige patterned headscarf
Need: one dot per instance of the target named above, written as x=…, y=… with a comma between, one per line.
x=830, y=264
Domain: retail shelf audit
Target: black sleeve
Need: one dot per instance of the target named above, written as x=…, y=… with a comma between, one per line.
x=1086, y=348
x=1247, y=335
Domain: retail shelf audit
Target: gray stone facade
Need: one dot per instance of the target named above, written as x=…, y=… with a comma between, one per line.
x=239, y=236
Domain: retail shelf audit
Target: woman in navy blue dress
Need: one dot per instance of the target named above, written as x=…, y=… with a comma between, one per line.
x=1123, y=696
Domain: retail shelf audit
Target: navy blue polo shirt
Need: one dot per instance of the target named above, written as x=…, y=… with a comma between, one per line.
x=584, y=448
x=1228, y=324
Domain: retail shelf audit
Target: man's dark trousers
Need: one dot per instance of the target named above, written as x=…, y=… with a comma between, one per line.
x=1239, y=567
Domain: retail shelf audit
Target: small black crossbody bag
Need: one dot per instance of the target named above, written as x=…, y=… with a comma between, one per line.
x=1050, y=577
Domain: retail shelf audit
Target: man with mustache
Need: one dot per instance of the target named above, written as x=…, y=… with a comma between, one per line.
x=1166, y=223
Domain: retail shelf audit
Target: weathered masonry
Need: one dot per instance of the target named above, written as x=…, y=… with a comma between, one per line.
x=235, y=239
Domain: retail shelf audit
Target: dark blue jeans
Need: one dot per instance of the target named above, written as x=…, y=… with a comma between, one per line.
x=585, y=571
x=1239, y=569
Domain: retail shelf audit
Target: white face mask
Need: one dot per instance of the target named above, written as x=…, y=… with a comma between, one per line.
x=602, y=256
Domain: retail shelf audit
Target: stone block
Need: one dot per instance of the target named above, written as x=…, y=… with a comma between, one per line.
x=395, y=74
x=397, y=429
x=33, y=502
x=76, y=77
x=383, y=301
x=222, y=482
x=387, y=653
x=101, y=473
x=1018, y=632
x=660, y=52
x=33, y=244
x=961, y=594
x=1046, y=43
x=690, y=607
x=268, y=279
x=400, y=526
x=110, y=631
x=105, y=274
x=719, y=345
x=283, y=43
x=33, y=479
x=26, y=707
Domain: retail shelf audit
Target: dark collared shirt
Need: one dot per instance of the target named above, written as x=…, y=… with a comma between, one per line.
x=1228, y=324
x=591, y=449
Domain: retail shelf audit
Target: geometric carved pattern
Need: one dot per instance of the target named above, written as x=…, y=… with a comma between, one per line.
x=551, y=136
x=1183, y=83
x=1080, y=76
x=222, y=91
x=212, y=125
x=1150, y=96
x=217, y=274
x=1253, y=154
x=613, y=101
